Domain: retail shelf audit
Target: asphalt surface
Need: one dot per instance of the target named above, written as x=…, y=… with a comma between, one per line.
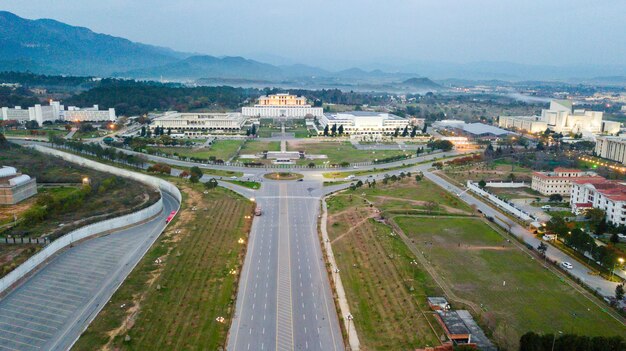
x=284, y=300
x=53, y=307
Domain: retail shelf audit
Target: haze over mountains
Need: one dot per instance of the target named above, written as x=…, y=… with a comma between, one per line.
x=51, y=47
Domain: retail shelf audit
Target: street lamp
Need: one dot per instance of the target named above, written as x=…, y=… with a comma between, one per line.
x=554, y=339
x=621, y=261
x=350, y=318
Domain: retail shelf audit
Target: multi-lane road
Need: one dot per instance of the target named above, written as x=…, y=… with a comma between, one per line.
x=51, y=309
x=285, y=301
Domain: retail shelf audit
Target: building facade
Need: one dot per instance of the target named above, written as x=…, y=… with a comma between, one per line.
x=559, y=181
x=90, y=114
x=199, y=124
x=611, y=148
x=15, y=187
x=363, y=123
x=561, y=117
x=282, y=106
x=607, y=195
x=55, y=112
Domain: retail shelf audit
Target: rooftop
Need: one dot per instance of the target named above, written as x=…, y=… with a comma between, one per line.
x=481, y=128
x=354, y=114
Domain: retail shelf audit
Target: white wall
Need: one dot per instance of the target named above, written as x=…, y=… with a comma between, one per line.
x=95, y=228
x=500, y=203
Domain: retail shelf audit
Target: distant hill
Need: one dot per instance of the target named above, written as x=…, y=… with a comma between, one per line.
x=205, y=66
x=421, y=83
x=49, y=46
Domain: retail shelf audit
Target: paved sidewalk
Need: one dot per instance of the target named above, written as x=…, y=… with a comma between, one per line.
x=353, y=338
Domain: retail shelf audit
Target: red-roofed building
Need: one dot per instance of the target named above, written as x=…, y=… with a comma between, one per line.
x=607, y=195
x=559, y=181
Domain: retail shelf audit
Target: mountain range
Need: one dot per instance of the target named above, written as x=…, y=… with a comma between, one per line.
x=47, y=46
x=51, y=47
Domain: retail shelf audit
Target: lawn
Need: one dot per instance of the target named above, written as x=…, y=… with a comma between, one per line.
x=245, y=183
x=37, y=133
x=514, y=293
x=220, y=150
x=498, y=170
x=386, y=292
x=256, y=146
x=339, y=151
x=174, y=305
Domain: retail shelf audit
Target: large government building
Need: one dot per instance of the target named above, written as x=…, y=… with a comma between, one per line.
x=282, y=105
x=363, y=123
x=56, y=112
x=199, y=124
x=561, y=118
x=611, y=148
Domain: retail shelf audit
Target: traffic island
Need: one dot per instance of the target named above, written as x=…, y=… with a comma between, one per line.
x=283, y=176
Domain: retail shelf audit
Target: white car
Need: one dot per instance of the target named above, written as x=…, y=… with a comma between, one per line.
x=546, y=207
x=233, y=177
x=567, y=265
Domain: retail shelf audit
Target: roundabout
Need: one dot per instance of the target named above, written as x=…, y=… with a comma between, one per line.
x=283, y=176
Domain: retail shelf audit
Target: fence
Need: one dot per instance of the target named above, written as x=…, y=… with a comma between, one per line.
x=96, y=228
x=39, y=241
x=501, y=203
x=507, y=185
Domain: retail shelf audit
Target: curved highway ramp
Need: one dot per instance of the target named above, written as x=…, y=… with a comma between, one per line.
x=51, y=309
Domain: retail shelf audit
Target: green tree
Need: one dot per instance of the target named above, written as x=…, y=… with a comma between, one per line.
x=333, y=130
x=556, y=198
x=405, y=131
x=326, y=130
x=542, y=248
x=482, y=184
x=211, y=184
x=195, y=171
x=340, y=130
x=619, y=292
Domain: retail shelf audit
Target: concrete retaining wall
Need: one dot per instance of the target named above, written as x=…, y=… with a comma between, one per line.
x=507, y=185
x=501, y=203
x=93, y=229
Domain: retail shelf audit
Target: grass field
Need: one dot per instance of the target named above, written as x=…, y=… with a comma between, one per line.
x=498, y=170
x=386, y=292
x=34, y=133
x=475, y=261
x=339, y=151
x=246, y=183
x=174, y=305
x=221, y=150
x=257, y=146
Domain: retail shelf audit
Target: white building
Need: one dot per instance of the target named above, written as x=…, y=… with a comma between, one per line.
x=90, y=114
x=200, y=124
x=561, y=118
x=55, y=111
x=358, y=123
x=15, y=114
x=611, y=148
x=607, y=195
x=560, y=180
x=282, y=105
x=14, y=186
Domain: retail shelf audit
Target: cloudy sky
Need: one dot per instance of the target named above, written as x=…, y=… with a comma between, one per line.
x=336, y=33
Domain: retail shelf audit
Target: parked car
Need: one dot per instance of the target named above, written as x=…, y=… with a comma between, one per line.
x=567, y=265
x=546, y=207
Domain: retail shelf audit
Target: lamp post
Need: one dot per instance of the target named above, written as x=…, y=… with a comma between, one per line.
x=621, y=261
x=554, y=339
x=350, y=318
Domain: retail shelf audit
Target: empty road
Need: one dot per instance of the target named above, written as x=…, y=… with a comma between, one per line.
x=284, y=300
x=51, y=309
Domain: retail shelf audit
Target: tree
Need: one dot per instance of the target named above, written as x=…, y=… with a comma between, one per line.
x=326, y=130
x=4, y=144
x=482, y=184
x=32, y=125
x=396, y=132
x=340, y=130
x=619, y=292
x=311, y=165
x=413, y=131
x=333, y=130
x=556, y=198
x=542, y=248
x=253, y=131
x=614, y=238
x=425, y=128
x=169, y=131
x=211, y=184
x=540, y=146
x=143, y=131
x=195, y=171
x=405, y=131
x=431, y=206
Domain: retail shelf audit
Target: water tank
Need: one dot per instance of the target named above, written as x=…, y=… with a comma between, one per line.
x=19, y=180
x=6, y=171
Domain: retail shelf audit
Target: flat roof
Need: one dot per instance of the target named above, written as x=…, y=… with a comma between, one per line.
x=453, y=322
x=481, y=128
x=353, y=114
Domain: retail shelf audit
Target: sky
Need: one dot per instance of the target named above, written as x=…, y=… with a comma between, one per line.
x=344, y=33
